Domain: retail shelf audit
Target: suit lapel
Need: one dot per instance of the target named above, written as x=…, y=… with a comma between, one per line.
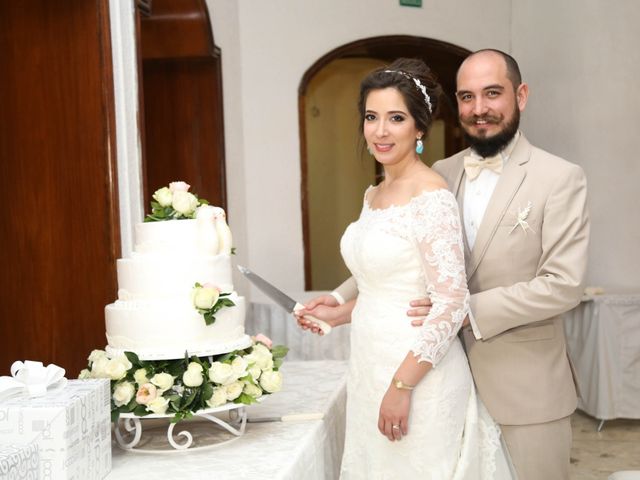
x=510, y=180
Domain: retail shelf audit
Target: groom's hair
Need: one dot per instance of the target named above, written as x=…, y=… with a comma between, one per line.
x=513, y=70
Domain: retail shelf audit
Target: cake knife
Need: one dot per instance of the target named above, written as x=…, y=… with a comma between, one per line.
x=281, y=298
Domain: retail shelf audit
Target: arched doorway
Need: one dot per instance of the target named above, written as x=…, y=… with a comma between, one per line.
x=334, y=172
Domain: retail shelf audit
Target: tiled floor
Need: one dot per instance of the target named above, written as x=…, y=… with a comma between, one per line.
x=595, y=455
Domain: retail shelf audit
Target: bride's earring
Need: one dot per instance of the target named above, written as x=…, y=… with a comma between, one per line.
x=369, y=150
x=419, y=146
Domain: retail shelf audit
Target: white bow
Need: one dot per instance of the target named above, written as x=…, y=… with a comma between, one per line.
x=31, y=379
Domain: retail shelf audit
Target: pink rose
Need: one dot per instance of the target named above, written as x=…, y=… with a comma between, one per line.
x=263, y=339
x=179, y=187
x=146, y=394
x=210, y=285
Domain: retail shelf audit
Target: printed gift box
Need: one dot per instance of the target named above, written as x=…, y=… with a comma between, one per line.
x=19, y=462
x=71, y=426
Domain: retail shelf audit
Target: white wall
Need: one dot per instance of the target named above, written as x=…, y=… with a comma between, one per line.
x=579, y=56
x=582, y=62
x=266, y=48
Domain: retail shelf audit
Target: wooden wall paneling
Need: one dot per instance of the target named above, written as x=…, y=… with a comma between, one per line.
x=59, y=235
x=182, y=90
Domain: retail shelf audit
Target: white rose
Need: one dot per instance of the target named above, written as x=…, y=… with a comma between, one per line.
x=117, y=367
x=140, y=376
x=163, y=381
x=159, y=405
x=84, y=374
x=252, y=390
x=99, y=368
x=239, y=366
x=96, y=354
x=255, y=372
x=263, y=357
x=218, y=398
x=184, y=202
x=271, y=381
x=123, y=393
x=234, y=390
x=176, y=186
x=221, y=373
x=163, y=196
x=205, y=297
x=193, y=376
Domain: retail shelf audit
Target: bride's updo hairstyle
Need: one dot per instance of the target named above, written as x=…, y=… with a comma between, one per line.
x=415, y=82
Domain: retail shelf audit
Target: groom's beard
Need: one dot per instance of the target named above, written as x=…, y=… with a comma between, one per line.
x=490, y=146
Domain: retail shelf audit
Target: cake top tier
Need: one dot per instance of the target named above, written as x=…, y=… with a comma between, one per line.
x=182, y=224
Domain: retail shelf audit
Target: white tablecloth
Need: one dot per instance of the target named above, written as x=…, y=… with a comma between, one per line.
x=603, y=338
x=277, y=450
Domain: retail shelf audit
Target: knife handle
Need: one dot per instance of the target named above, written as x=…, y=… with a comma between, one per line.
x=322, y=325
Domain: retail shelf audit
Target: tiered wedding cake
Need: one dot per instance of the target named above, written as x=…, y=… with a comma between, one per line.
x=155, y=315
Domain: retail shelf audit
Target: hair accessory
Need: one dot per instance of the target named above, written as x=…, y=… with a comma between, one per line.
x=419, y=146
x=422, y=88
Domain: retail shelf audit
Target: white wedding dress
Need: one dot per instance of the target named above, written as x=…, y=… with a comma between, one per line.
x=396, y=255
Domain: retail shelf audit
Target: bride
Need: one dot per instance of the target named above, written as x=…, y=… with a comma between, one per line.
x=412, y=408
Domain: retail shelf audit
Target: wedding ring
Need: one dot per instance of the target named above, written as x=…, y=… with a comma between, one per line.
x=395, y=427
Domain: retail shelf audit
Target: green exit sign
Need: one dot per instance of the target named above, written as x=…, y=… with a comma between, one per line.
x=411, y=3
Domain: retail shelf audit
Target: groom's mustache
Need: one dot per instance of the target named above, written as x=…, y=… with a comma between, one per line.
x=484, y=118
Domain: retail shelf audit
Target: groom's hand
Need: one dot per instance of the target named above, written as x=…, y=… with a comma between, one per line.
x=419, y=309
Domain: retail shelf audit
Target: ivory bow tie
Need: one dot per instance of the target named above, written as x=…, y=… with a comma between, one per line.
x=473, y=165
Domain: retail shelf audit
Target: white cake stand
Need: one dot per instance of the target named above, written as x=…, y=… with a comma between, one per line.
x=128, y=429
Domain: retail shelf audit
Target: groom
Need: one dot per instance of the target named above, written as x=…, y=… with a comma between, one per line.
x=526, y=230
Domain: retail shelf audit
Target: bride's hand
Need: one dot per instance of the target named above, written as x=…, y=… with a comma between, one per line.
x=393, y=419
x=419, y=308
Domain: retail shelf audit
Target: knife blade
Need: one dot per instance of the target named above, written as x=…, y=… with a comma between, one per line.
x=281, y=298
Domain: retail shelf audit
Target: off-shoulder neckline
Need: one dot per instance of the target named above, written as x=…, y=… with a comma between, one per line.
x=412, y=200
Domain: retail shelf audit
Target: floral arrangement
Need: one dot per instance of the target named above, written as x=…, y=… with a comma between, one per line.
x=174, y=202
x=184, y=386
x=208, y=300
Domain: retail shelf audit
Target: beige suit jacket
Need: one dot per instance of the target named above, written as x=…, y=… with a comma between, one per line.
x=521, y=282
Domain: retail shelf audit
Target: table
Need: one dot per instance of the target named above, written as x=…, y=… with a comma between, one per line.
x=309, y=449
x=603, y=339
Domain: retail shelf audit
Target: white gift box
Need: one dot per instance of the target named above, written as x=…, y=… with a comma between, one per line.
x=20, y=462
x=71, y=426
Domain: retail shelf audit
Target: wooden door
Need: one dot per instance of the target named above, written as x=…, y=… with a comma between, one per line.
x=59, y=235
x=182, y=97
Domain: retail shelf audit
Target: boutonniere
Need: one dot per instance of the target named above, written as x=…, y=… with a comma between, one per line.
x=521, y=219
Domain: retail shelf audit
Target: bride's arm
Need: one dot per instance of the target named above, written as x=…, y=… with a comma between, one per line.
x=438, y=235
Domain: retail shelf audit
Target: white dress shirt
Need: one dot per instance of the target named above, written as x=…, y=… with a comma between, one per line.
x=477, y=194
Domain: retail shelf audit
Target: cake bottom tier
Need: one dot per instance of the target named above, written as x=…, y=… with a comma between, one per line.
x=168, y=328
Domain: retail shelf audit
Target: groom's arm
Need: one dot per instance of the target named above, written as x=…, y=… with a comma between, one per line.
x=559, y=281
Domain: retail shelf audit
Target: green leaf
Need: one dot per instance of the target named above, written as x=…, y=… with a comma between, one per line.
x=141, y=411
x=245, y=399
x=224, y=358
x=209, y=319
x=279, y=351
x=133, y=358
x=207, y=391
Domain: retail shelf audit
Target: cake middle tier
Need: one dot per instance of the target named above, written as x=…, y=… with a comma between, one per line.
x=168, y=328
x=148, y=276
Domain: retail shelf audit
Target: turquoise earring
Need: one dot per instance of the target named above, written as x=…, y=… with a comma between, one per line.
x=419, y=146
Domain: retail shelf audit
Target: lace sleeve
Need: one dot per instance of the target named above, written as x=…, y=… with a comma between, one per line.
x=438, y=235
